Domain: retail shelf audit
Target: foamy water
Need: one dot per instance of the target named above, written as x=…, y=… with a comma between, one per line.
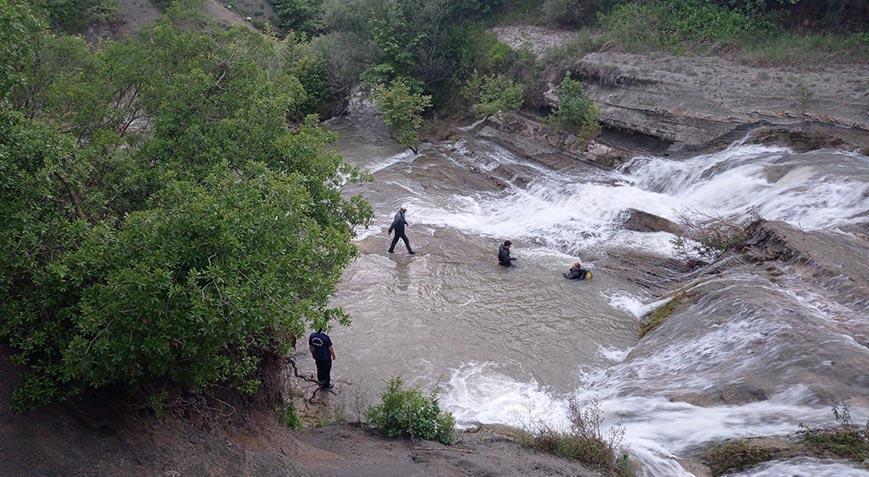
x=656, y=429
x=803, y=467
x=816, y=191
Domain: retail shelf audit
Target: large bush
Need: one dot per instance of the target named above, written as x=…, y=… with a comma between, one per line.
x=410, y=412
x=576, y=113
x=492, y=94
x=164, y=225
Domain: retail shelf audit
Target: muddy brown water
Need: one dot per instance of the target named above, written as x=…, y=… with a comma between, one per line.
x=510, y=346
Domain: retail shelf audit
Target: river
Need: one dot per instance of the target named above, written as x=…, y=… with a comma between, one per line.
x=511, y=346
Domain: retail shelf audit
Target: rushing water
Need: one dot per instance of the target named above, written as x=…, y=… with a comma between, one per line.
x=513, y=345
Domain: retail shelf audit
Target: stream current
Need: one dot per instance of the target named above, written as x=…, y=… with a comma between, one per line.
x=511, y=346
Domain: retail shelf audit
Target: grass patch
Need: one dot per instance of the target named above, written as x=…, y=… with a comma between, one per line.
x=584, y=42
x=845, y=440
x=704, y=27
x=660, y=314
x=736, y=456
x=585, y=441
x=784, y=48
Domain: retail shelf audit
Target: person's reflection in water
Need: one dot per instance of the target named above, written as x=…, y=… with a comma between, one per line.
x=402, y=274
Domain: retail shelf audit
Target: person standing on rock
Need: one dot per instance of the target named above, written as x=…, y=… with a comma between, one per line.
x=504, y=258
x=321, y=349
x=398, y=224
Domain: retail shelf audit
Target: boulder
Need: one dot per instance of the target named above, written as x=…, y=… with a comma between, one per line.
x=640, y=221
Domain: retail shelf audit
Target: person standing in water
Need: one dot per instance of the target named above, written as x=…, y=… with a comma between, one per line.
x=398, y=224
x=323, y=353
x=504, y=258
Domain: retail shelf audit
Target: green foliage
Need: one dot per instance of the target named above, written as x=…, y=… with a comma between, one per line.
x=678, y=25
x=576, y=113
x=409, y=412
x=420, y=41
x=570, y=12
x=19, y=32
x=704, y=26
x=163, y=223
x=492, y=94
x=310, y=68
x=290, y=418
x=76, y=15
x=401, y=109
x=301, y=16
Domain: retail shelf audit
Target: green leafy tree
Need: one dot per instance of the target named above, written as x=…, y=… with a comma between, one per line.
x=576, y=113
x=164, y=224
x=401, y=109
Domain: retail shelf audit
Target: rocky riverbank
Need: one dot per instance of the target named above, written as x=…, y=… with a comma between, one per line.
x=698, y=100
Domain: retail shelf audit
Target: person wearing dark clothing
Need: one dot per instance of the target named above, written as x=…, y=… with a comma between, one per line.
x=321, y=349
x=504, y=258
x=398, y=224
x=577, y=272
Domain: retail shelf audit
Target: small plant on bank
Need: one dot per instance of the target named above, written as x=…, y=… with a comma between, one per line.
x=401, y=108
x=845, y=440
x=290, y=418
x=407, y=411
x=576, y=113
x=804, y=95
x=586, y=441
x=493, y=93
x=706, y=236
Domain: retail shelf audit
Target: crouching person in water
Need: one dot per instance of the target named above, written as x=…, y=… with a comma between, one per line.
x=504, y=258
x=577, y=272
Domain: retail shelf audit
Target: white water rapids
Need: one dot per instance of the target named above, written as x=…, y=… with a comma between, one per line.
x=512, y=347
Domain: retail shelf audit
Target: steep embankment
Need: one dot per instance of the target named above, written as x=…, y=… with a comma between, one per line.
x=694, y=100
x=199, y=436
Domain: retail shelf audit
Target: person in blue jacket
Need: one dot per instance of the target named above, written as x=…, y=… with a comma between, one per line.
x=323, y=353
